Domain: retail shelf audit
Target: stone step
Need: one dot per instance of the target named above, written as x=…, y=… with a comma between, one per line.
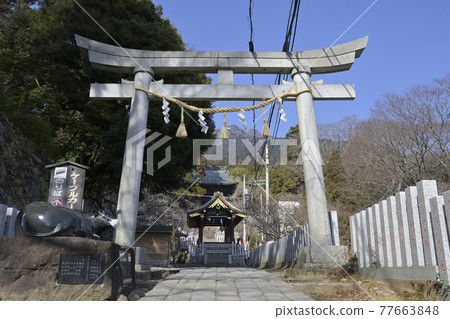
x=155, y=274
x=217, y=256
x=217, y=259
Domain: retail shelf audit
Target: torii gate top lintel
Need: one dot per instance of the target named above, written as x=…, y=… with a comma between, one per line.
x=116, y=59
x=123, y=60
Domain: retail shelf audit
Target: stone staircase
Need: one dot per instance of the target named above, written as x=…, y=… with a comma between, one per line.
x=218, y=254
x=217, y=260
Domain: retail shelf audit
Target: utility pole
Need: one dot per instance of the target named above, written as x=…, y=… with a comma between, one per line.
x=244, y=195
x=266, y=165
x=264, y=225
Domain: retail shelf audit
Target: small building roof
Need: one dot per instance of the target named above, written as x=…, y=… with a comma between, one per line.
x=158, y=229
x=67, y=163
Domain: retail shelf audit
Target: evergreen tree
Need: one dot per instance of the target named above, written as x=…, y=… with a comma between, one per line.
x=45, y=82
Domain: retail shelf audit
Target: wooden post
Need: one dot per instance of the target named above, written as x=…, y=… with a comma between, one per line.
x=200, y=231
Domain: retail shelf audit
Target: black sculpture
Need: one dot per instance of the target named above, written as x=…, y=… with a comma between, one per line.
x=41, y=219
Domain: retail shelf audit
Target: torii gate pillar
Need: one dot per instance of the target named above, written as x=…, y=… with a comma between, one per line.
x=321, y=254
x=319, y=226
x=133, y=159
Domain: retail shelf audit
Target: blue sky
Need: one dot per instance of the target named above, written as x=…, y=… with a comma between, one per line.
x=409, y=43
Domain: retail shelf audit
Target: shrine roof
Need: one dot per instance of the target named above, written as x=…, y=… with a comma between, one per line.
x=216, y=212
x=217, y=199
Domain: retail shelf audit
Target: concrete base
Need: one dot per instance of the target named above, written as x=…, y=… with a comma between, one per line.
x=141, y=259
x=419, y=279
x=238, y=261
x=142, y=267
x=198, y=259
x=315, y=257
x=423, y=273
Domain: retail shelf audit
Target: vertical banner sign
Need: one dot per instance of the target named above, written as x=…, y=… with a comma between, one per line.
x=67, y=185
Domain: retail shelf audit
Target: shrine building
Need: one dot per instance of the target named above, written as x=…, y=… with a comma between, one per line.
x=219, y=213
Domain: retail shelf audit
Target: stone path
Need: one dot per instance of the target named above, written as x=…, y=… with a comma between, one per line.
x=221, y=283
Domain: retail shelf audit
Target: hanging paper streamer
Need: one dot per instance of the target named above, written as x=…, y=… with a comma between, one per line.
x=283, y=114
x=242, y=119
x=201, y=119
x=166, y=109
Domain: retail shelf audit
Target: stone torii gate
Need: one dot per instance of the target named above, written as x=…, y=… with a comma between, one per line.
x=301, y=65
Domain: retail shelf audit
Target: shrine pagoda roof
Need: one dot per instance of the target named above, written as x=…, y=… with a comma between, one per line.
x=215, y=212
x=217, y=179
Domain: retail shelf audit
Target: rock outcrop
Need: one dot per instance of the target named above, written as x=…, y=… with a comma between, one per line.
x=23, y=177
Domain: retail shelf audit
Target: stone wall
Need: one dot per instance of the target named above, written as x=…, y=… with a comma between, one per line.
x=283, y=252
x=23, y=177
x=290, y=249
x=406, y=236
x=29, y=267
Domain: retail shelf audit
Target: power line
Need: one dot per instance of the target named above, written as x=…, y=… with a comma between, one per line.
x=293, y=16
x=288, y=45
x=251, y=47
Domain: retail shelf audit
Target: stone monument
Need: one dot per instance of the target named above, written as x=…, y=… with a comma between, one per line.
x=56, y=252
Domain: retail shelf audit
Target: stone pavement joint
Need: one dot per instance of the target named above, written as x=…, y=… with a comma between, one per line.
x=223, y=284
